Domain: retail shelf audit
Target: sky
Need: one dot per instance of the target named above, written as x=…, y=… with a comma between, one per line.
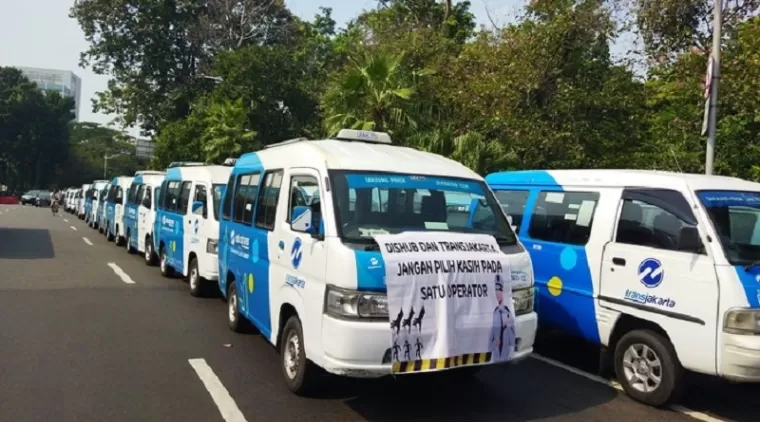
x=39, y=33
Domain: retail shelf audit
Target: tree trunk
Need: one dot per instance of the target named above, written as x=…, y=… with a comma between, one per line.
x=447, y=9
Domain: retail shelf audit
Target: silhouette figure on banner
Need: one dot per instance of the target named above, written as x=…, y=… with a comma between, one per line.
x=503, y=329
x=396, y=323
x=396, y=349
x=418, y=321
x=418, y=345
x=407, y=322
x=407, y=350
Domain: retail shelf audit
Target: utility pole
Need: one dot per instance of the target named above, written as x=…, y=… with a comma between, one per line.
x=713, y=109
x=106, y=157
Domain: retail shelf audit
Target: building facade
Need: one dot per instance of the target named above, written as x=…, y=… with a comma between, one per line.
x=64, y=82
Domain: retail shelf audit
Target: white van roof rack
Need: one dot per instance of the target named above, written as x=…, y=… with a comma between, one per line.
x=288, y=142
x=149, y=173
x=186, y=164
x=364, y=136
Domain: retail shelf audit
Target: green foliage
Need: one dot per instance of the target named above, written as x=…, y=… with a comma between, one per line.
x=541, y=92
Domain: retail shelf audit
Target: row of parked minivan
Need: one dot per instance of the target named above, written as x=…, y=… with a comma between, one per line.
x=661, y=270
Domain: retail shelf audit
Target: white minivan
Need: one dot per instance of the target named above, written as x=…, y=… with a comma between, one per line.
x=141, y=213
x=307, y=231
x=115, y=203
x=186, y=232
x=660, y=269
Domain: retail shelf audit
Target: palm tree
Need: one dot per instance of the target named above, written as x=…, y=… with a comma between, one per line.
x=373, y=94
x=225, y=132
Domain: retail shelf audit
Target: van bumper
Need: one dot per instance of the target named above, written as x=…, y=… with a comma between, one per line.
x=209, y=266
x=740, y=360
x=363, y=349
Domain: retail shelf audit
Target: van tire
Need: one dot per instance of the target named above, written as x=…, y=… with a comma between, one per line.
x=670, y=370
x=128, y=240
x=299, y=373
x=166, y=270
x=235, y=319
x=198, y=284
x=118, y=240
x=150, y=255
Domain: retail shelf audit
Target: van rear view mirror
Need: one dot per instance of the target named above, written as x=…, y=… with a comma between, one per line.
x=688, y=239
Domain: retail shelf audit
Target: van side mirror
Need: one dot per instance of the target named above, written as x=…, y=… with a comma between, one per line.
x=197, y=207
x=146, y=202
x=300, y=219
x=688, y=239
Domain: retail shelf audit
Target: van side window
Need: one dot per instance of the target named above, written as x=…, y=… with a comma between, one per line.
x=245, y=195
x=645, y=224
x=563, y=217
x=200, y=196
x=513, y=203
x=118, y=195
x=227, y=205
x=156, y=196
x=266, y=207
x=171, y=199
x=299, y=185
x=138, y=196
x=184, y=197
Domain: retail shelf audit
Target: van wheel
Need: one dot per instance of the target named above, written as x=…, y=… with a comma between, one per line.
x=166, y=270
x=118, y=239
x=110, y=236
x=150, y=254
x=648, y=368
x=299, y=372
x=198, y=284
x=128, y=240
x=236, y=320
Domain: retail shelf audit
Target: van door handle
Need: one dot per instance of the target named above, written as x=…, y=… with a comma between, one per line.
x=619, y=261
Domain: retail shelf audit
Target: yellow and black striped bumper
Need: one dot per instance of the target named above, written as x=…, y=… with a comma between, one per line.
x=425, y=365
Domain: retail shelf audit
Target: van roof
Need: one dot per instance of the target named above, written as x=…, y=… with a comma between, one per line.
x=620, y=178
x=217, y=174
x=352, y=155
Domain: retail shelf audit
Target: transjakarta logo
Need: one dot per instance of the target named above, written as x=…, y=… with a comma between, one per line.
x=236, y=239
x=374, y=263
x=131, y=212
x=166, y=221
x=649, y=299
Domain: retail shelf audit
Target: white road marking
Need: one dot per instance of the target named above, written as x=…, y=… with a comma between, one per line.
x=87, y=241
x=65, y=220
x=73, y=228
x=616, y=385
x=124, y=276
x=227, y=407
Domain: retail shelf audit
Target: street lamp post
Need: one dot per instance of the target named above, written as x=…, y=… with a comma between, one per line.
x=713, y=106
x=106, y=157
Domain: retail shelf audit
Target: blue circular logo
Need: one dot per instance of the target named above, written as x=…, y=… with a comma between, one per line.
x=651, y=272
x=296, y=253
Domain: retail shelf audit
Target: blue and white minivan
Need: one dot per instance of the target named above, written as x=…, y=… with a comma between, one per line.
x=100, y=219
x=81, y=210
x=93, y=203
x=298, y=260
x=187, y=223
x=114, y=204
x=661, y=269
x=141, y=213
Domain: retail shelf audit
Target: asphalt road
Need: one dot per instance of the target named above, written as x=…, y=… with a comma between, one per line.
x=80, y=341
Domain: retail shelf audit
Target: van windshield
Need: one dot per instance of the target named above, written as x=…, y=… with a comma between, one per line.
x=368, y=204
x=736, y=217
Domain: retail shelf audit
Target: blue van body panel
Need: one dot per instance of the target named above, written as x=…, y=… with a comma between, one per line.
x=130, y=215
x=244, y=253
x=565, y=297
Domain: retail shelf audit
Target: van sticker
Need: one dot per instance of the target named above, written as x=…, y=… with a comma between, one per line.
x=651, y=273
x=649, y=299
x=196, y=225
x=573, y=206
x=757, y=278
x=571, y=216
x=374, y=263
x=436, y=225
x=555, y=197
x=296, y=253
x=295, y=281
x=585, y=213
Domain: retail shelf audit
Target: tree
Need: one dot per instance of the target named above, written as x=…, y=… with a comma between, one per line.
x=226, y=134
x=372, y=94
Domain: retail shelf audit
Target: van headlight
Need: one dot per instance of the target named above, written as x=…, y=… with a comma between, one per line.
x=742, y=321
x=212, y=246
x=352, y=304
x=523, y=300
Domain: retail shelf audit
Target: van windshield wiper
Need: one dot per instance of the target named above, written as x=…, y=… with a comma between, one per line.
x=752, y=264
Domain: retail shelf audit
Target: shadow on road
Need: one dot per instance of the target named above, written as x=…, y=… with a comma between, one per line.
x=18, y=243
x=706, y=394
x=496, y=394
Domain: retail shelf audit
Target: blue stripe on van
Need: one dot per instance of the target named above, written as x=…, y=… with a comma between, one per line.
x=370, y=271
x=749, y=281
x=173, y=174
x=565, y=290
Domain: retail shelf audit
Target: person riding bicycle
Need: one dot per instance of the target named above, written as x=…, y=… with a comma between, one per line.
x=56, y=201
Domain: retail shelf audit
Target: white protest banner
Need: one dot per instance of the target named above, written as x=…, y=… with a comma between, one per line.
x=449, y=300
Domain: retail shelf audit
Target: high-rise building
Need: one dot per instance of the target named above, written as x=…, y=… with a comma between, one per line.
x=62, y=81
